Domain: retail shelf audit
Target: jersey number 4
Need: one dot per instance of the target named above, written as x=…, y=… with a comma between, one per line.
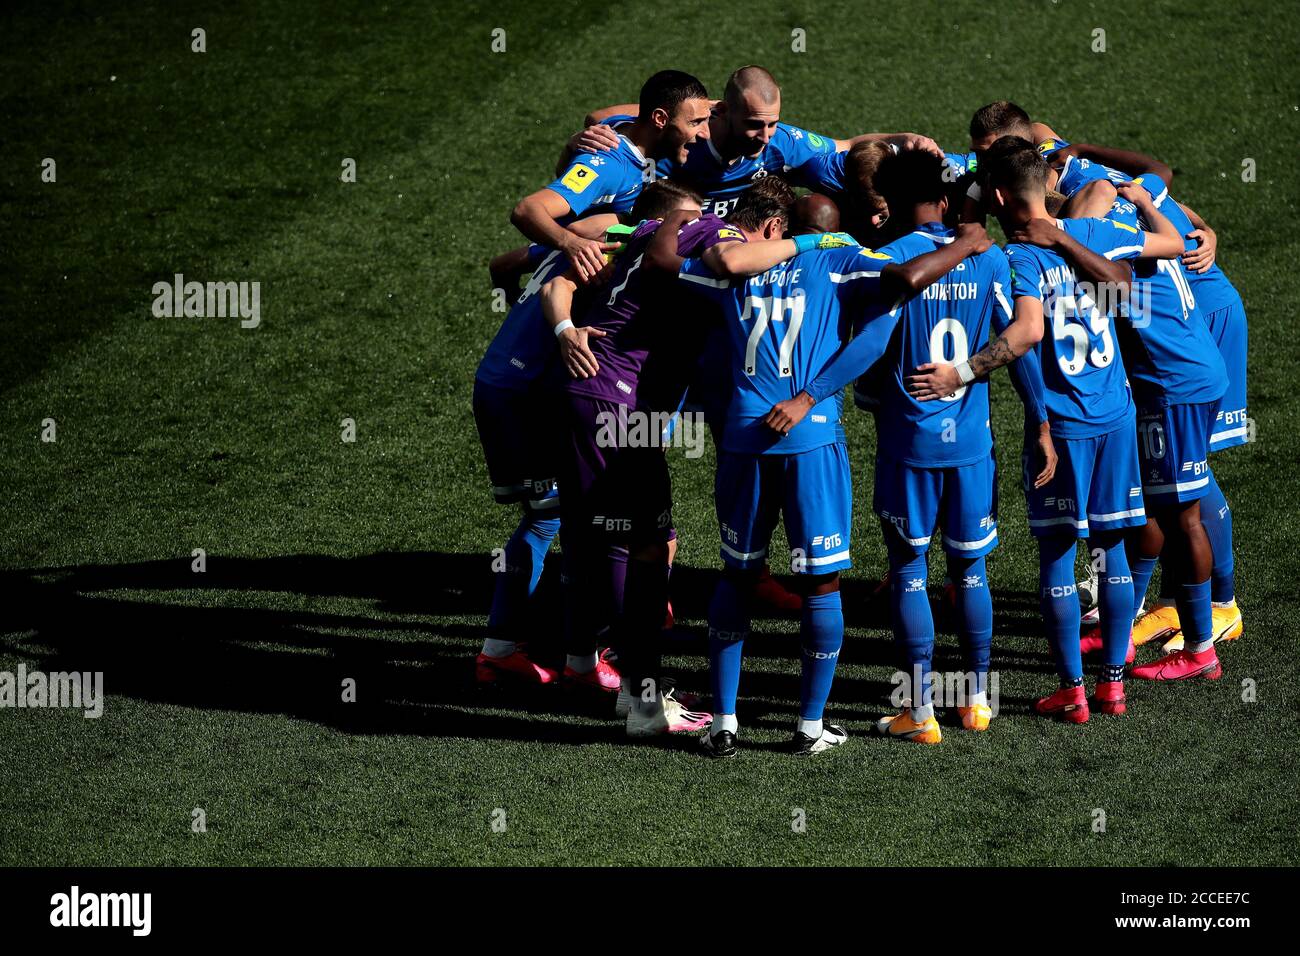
x=764, y=311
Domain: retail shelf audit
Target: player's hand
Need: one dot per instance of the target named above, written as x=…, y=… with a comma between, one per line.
x=1134, y=192
x=575, y=353
x=586, y=255
x=785, y=415
x=916, y=141
x=1202, y=257
x=933, y=380
x=975, y=235
x=1037, y=232
x=1046, y=456
x=596, y=138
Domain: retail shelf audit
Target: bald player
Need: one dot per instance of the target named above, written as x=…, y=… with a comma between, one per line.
x=813, y=214
x=747, y=141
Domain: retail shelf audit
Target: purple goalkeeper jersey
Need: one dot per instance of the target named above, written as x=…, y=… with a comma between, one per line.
x=643, y=314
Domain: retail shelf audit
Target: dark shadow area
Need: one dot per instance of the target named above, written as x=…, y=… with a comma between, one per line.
x=410, y=650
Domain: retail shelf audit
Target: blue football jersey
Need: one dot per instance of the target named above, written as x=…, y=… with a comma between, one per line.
x=1087, y=392
x=783, y=328
x=1077, y=173
x=825, y=173
x=721, y=183
x=609, y=181
x=524, y=347
x=1211, y=289
x=947, y=322
x=1168, y=350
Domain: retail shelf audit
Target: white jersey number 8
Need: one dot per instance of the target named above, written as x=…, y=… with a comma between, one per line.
x=944, y=329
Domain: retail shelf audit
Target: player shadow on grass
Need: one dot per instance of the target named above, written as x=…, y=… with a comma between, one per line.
x=164, y=634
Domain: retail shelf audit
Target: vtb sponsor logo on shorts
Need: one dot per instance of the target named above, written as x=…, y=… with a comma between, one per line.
x=612, y=524
x=1063, y=505
x=632, y=428
x=827, y=542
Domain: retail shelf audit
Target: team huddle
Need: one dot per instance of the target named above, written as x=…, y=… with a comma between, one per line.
x=673, y=273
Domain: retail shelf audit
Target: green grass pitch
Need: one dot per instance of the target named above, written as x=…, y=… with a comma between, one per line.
x=370, y=560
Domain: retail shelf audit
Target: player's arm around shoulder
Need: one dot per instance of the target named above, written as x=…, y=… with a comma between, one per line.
x=1091, y=201
x=908, y=279
x=557, y=308
x=1162, y=240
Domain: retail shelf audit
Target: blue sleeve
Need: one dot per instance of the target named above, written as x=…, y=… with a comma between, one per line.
x=1026, y=274
x=854, y=272
x=1026, y=372
x=959, y=163
x=589, y=177
x=799, y=145
x=1050, y=147
x=1116, y=240
x=824, y=171
x=854, y=359
x=695, y=275
x=1078, y=173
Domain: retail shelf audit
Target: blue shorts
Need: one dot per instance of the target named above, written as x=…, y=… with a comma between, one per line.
x=1174, y=443
x=964, y=499
x=520, y=437
x=814, y=491
x=1097, y=485
x=1228, y=329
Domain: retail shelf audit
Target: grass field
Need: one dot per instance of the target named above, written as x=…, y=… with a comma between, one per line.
x=370, y=560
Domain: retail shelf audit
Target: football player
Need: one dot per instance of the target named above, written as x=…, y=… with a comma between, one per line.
x=1096, y=492
x=783, y=451
x=746, y=142
x=935, y=464
x=1220, y=304
x=625, y=356
x=673, y=114
x=514, y=414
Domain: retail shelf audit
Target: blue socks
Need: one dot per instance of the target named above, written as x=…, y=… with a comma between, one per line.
x=525, y=554
x=728, y=628
x=1115, y=603
x=1141, y=568
x=1216, y=517
x=910, y=617
x=1059, y=600
x=1195, y=615
x=974, y=616
x=822, y=635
